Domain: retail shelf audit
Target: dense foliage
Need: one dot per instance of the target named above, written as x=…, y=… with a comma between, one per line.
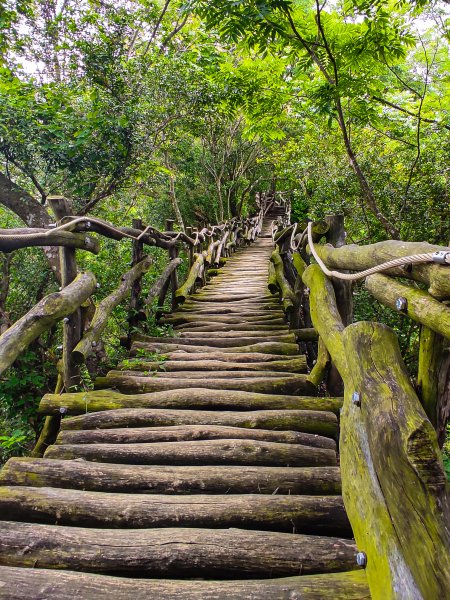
x=158, y=109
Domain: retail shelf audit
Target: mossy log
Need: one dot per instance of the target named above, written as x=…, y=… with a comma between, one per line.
x=158, y=286
x=420, y=306
x=309, y=514
x=307, y=421
x=266, y=385
x=17, y=584
x=235, y=357
x=432, y=365
x=192, y=373
x=100, y=319
x=218, y=327
x=13, y=239
x=272, y=283
x=393, y=478
x=220, y=341
x=141, y=479
x=282, y=335
x=319, y=371
x=43, y=316
x=194, y=276
x=185, y=433
x=325, y=315
x=278, y=348
x=199, y=452
x=75, y=403
x=287, y=295
x=297, y=365
x=360, y=258
x=181, y=319
x=174, y=552
x=403, y=449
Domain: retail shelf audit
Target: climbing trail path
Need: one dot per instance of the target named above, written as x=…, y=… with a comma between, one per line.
x=202, y=467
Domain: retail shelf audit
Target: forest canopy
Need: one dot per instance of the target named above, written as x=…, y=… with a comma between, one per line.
x=186, y=109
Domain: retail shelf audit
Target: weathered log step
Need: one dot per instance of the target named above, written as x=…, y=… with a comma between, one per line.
x=302, y=514
x=282, y=335
x=141, y=479
x=176, y=433
x=278, y=348
x=221, y=320
x=296, y=365
x=203, y=375
x=219, y=342
x=296, y=384
x=237, y=357
x=35, y=584
x=247, y=313
x=202, y=452
x=238, y=326
x=193, y=398
x=306, y=421
x=173, y=551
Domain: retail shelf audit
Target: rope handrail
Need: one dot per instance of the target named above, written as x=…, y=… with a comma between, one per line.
x=439, y=257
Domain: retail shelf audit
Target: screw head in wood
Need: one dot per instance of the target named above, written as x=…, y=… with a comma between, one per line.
x=66, y=320
x=361, y=559
x=356, y=398
x=401, y=304
x=97, y=285
x=63, y=410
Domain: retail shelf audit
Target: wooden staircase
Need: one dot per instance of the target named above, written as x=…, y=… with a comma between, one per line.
x=206, y=471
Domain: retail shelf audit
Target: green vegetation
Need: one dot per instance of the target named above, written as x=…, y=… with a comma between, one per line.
x=159, y=109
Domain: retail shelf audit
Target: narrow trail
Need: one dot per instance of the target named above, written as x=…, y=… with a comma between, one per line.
x=208, y=473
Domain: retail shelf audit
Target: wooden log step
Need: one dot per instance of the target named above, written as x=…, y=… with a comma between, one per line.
x=178, y=433
x=180, y=319
x=203, y=375
x=203, y=452
x=75, y=403
x=292, y=365
x=141, y=479
x=202, y=325
x=173, y=551
x=296, y=384
x=218, y=342
x=282, y=335
x=247, y=313
x=237, y=357
x=302, y=514
x=306, y=421
x=35, y=584
x=278, y=348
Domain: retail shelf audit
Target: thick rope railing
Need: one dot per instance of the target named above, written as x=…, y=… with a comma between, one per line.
x=440, y=257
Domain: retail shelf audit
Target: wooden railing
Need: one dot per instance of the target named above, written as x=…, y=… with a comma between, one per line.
x=83, y=322
x=394, y=485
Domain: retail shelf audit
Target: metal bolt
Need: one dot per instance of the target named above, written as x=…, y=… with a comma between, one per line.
x=356, y=398
x=88, y=224
x=63, y=410
x=87, y=241
x=97, y=285
x=59, y=289
x=66, y=320
x=361, y=559
x=401, y=304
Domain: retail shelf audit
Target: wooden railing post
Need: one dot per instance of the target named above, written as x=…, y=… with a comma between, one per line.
x=136, y=289
x=343, y=292
x=173, y=253
x=72, y=324
x=191, y=249
x=433, y=379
